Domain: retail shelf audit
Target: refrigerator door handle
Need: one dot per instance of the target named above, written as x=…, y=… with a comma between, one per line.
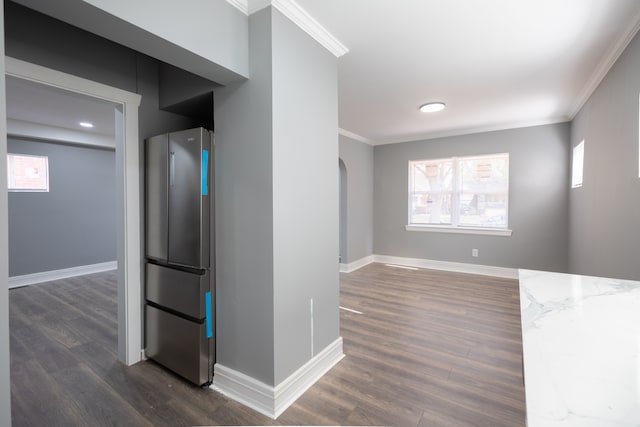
x=172, y=168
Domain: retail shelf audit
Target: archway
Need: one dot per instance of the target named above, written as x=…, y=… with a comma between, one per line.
x=342, y=169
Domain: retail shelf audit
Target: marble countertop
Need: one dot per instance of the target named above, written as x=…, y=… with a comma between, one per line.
x=581, y=350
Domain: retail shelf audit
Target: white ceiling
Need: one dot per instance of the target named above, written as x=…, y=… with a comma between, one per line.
x=496, y=63
x=35, y=105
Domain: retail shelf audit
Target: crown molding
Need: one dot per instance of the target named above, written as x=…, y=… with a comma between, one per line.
x=252, y=6
x=307, y=23
x=256, y=5
x=241, y=5
x=470, y=130
x=453, y=132
x=298, y=16
x=605, y=65
x=355, y=136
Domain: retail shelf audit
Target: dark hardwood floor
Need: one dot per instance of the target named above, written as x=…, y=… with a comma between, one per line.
x=430, y=348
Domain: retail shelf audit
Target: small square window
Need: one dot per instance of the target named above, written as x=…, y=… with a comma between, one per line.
x=27, y=173
x=577, y=165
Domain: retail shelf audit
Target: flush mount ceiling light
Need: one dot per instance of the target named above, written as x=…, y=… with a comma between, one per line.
x=432, y=107
x=86, y=124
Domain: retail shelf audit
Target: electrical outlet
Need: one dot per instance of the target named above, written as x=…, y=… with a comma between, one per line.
x=474, y=252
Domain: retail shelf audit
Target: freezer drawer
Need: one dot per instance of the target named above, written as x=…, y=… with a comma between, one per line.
x=177, y=290
x=180, y=345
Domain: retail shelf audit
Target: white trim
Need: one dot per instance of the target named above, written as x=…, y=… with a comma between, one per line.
x=355, y=136
x=602, y=69
x=244, y=389
x=458, y=267
x=65, y=273
x=36, y=73
x=241, y=5
x=298, y=16
x=254, y=6
x=470, y=130
x=504, y=232
x=353, y=266
x=273, y=401
x=127, y=191
x=289, y=390
x=129, y=245
x=302, y=19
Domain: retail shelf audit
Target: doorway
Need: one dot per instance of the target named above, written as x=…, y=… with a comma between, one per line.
x=127, y=150
x=342, y=203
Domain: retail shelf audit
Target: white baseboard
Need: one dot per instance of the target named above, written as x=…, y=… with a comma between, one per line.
x=289, y=390
x=353, y=266
x=47, y=276
x=273, y=401
x=458, y=267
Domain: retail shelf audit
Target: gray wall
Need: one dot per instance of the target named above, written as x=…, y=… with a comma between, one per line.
x=538, y=200
x=277, y=203
x=305, y=196
x=74, y=224
x=208, y=38
x=605, y=211
x=5, y=389
x=358, y=161
x=244, y=213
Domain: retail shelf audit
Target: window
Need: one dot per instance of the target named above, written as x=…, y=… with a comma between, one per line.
x=577, y=165
x=459, y=192
x=27, y=173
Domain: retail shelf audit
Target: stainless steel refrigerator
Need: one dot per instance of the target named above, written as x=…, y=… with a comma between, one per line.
x=179, y=288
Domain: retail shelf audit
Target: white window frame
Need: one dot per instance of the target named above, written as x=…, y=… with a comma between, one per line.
x=454, y=227
x=14, y=187
x=577, y=165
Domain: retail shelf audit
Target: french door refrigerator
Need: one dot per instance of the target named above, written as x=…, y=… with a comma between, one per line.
x=179, y=286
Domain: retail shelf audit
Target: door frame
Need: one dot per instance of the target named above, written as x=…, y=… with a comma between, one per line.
x=129, y=237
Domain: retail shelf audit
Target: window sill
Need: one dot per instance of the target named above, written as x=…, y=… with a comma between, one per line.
x=505, y=232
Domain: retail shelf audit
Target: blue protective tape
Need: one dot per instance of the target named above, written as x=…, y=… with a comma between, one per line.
x=208, y=321
x=205, y=172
